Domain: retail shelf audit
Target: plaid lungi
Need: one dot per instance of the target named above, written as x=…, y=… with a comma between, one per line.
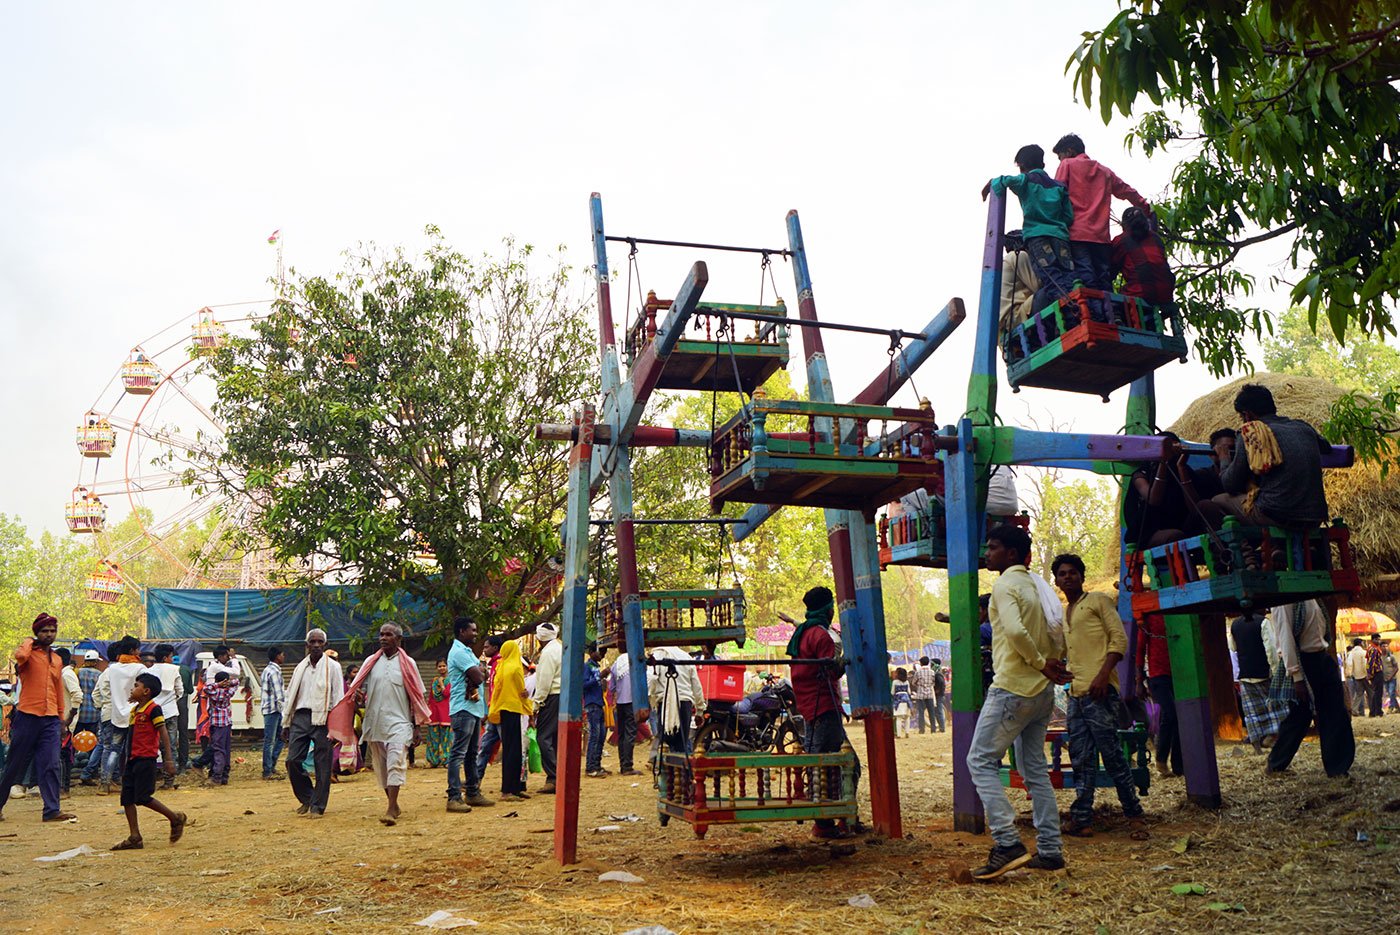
x=1262, y=715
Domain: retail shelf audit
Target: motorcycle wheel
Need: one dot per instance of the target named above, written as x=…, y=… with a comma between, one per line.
x=709, y=732
x=788, y=741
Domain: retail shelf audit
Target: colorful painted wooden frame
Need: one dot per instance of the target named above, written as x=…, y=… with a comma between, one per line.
x=723, y=361
x=678, y=618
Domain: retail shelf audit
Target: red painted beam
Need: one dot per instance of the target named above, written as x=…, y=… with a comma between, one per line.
x=568, y=777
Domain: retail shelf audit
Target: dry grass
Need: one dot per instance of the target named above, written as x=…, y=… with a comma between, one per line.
x=1287, y=850
x=1369, y=504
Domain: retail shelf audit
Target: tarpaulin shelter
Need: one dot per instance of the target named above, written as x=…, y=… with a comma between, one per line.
x=272, y=616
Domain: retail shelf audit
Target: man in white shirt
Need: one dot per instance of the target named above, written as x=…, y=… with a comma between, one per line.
x=172, y=689
x=317, y=686
x=1357, y=683
x=391, y=692
x=121, y=675
x=549, y=670
x=102, y=699
x=619, y=676
x=1301, y=633
x=223, y=662
x=687, y=690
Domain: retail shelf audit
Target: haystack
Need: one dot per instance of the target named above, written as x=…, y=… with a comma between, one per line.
x=1369, y=504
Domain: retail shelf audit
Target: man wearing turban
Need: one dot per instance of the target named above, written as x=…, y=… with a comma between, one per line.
x=548, y=672
x=36, y=727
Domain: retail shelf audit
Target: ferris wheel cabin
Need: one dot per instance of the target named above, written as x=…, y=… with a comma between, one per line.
x=96, y=438
x=209, y=334
x=104, y=586
x=85, y=512
x=140, y=376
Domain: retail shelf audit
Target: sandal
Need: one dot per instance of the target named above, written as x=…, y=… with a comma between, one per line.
x=130, y=844
x=177, y=826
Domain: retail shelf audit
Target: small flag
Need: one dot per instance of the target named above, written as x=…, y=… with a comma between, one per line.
x=274, y=236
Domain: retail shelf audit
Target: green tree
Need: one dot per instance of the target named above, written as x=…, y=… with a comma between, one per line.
x=1078, y=516
x=1290, y=122
x=1366, y=365
x=389, y=408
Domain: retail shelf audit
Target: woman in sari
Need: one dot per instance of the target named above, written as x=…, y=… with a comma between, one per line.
x=509, y=705
x=439, y=733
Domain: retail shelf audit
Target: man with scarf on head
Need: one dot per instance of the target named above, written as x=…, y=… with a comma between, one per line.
x=549, y=669
x=390, y=689
x=818, y=690
x=36, y=726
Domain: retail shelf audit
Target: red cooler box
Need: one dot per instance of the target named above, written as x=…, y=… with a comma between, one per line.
x=722, y=683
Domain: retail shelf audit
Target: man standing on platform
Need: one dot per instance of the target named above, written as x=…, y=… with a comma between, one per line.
x=549, y=670
x=391, y=692
x=273, y=699
x=1096, y=642
x=467, y=680
x=36, y=724
x=1017, y=710
x=818, y=690
x=317, y=686
x=1301, y=633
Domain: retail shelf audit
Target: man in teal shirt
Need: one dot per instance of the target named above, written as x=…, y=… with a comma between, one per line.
x=466, y=677
x=1046, y=215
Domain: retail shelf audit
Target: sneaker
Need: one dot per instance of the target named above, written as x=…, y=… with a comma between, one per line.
x=480, y=801
x=1001, y=860
x=457, y=805
x=1046, y=862
x=17, y=792
x=547, y=789
x=104, y=788
x=629, y=771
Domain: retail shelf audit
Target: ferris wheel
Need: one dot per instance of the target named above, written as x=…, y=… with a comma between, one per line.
x=149, y=439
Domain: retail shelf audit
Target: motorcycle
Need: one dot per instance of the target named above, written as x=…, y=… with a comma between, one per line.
x=766, y=720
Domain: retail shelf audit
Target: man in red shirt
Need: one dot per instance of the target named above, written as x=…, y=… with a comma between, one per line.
x=1092, y=188
x=1152, y=665
x=36, y=727
x=818, y=689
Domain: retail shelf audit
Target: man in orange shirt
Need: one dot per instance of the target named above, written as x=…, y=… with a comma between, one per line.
x=36, y=728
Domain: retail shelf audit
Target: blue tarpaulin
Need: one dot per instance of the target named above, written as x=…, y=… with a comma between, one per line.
x=267, y=617
x=937, y=649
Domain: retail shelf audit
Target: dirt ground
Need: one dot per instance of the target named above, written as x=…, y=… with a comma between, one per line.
x=1288, y=851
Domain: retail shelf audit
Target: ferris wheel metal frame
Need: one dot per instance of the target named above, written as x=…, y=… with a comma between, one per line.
x=161, y=380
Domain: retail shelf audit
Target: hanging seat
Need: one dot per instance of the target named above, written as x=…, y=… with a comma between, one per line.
x=104, y=586
x=920, y=537
x=208, y=334
x=85, y=512
x=1062, y=348
x=781, y=452
x=1134, y=746
x=678, y=618
x=140, y=376
x=1241, y=568
x=95, y=437
x=712, y=363
x=744, y=788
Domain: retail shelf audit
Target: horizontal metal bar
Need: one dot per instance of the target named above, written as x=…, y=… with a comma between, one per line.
x=651, y=661
x=698, y=246
x=833, y=325
x=717, y=521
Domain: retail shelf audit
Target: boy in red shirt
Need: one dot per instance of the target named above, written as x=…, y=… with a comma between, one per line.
x=147, y=737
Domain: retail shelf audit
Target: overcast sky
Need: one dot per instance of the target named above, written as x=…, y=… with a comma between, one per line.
x=147, y=159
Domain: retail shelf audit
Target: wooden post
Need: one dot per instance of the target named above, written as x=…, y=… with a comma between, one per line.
x=574, y=636
x=1191, y=684
x=856, y=611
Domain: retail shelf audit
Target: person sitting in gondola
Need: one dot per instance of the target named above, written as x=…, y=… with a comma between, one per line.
x=1019, y=282
x=1161, y=503
x=1139, y=256
x=1275, y=478
x=1046, y=216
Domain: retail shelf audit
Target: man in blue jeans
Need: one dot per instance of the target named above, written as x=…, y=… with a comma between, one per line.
x=467, y=681
x=593, y=711
x=1017, y=710
x=274, y=695
x=1095, y=644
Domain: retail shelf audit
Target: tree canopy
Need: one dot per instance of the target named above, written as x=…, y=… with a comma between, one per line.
x=1288, y=116
x=385, y=413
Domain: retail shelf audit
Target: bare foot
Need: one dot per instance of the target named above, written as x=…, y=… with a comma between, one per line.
x=388, y=821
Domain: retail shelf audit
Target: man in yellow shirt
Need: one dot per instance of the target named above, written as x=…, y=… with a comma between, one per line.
x=1096, y=644
x=1017, y=711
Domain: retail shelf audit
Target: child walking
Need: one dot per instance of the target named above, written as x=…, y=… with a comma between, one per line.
x=147, y=737
x=900, y=692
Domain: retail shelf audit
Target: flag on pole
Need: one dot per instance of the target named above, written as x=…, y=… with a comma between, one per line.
x=274, y=236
